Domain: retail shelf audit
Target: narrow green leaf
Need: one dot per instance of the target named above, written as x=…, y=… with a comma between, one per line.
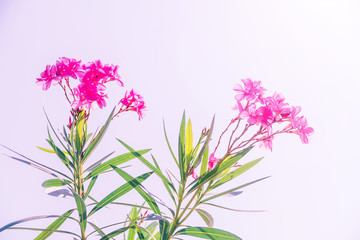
x=54, y=226
x=35, y=164
x=231, y=190
x=204, y=161
x=133, y=217
x=188, y=140
x=239, y=170
x=149, y=230
x=208, y=233
x=208, y=219
x=55, y=183
x=82, y=210
x=139, y=233
x=27, y=220
x=181, y=150
x=165, y=183
x=97, y=229
x=232, y=209
x=115, y=162
x=50, y=151
x=137, y=185
x=93, y=144
x=61, y=155
x=206, y=144
x=91, y=185
x=115, y=233
x=164, y=227
x=148, y=164
x=53, y=130
x=118, y=193
x=167, y=141
x=45, y=230
x=219, y=169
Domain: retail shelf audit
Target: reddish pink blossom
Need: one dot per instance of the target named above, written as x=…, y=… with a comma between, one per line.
x=250, y=114
x=69, y=67
x=111, y=72
x=280, y=109
x=296, y=121
x=213, y=161
x=133, y=102
x=86, y=94
x=193, y=174
x=250, y=91
x=266, y=140
x=264, y=115
x=48, y=77
x=304, y=131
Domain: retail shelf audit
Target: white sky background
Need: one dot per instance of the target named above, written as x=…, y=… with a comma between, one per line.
x=188, y=55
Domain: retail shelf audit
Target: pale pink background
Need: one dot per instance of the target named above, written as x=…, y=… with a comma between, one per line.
x=188, y=55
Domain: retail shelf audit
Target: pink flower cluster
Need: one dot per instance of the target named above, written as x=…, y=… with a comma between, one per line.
x=90, y=87
x=265, y=111
x=133, y=102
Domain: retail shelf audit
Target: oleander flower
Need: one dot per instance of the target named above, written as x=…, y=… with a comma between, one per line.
x=48, y=77
x=133, y=102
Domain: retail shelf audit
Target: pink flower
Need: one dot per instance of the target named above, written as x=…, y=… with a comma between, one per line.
x=278, y=106
x=295, y=120
x=69, y=67
x=264, y=115
x=250, y=91
x=250, y=114
x=304, y=131
x=266, y=140
x=213, y=161
x=193, y=174
x=87, y=93
x=133, y=102
x=48, y=77
x=111, y=72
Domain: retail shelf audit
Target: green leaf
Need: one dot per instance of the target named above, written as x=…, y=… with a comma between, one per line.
x=239, y=170
x=181, y=150
x=206, y=144
x=93, y=144
x=167, y=141
x=55, y=183
x=45, y=230
x=91, y=185
x=149, y=230
x=115, y=162
x=97, y=229
x=188, y=140
x=165, y=183
x=204, y=162
x=54, y=226
x=50, y=151
x=61, y=155
x=137, y=185
x=118, y=193
x=219, y=169
x=231, y=190
x=208, y=233
x=208, y=219
x=53, y=130
x=81, y=209
x=232, y=209
x=7, y=226
x=164, y=227
x=148, y=164
x=35, y=164
x=133, y=217
x=139, y=233
x=115, y=233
